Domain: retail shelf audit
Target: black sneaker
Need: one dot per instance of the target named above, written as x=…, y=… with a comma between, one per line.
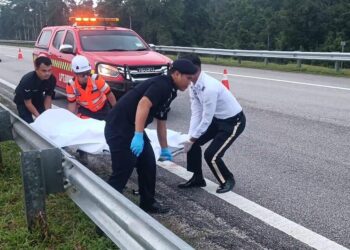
x=227, y=186
x=155, y=208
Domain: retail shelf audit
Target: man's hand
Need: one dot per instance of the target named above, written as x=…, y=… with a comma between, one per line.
x=165, y=154
x=187, y=145
x=137, y=143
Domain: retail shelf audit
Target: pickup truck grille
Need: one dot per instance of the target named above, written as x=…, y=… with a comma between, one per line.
x=141, y=73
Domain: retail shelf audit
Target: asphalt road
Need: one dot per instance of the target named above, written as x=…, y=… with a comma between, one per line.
x=293, y=159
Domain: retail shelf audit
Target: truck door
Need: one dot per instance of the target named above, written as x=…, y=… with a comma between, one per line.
x=66, y=72
x=55, y=56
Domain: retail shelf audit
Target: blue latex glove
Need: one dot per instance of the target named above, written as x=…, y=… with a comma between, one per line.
x=165, y=154
x=137, y=143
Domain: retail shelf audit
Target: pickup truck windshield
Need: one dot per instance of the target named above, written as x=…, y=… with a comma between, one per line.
x=110, y=40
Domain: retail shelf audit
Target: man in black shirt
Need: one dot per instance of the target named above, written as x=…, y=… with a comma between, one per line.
x=124, y=132
x=33, y=94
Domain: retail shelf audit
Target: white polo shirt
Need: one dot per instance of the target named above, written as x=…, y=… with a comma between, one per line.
x=209, y=99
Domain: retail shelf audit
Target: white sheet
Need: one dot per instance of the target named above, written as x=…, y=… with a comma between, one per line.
x=66, y=129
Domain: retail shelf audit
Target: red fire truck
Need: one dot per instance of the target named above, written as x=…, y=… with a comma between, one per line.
x=118, y=54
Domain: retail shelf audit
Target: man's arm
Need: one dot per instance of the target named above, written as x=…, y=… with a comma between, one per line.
x=48, y=102
x=72, y=107
x=196, y=114
x=208, y=107
x=162, y=133
x=29, y=105
x=142, y=112
x=111, y=99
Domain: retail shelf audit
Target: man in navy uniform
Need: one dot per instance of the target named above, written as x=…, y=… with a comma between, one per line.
x=33, y=95
x=215, y=116
x=129, y=145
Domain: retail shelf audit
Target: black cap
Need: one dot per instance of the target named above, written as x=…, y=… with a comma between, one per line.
x=184, y=66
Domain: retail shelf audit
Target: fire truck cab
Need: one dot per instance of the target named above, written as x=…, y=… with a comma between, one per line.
x=118, y=54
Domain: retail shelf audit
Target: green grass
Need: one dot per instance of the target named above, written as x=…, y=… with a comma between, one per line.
x=290, y=67
x=69, y=227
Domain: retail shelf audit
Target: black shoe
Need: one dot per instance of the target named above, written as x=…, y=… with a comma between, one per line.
x=227, y=186
x=155, y=208
x=193, y=182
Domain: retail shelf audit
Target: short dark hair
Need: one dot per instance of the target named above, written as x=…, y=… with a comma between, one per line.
x=42, y=59
x=193, y=58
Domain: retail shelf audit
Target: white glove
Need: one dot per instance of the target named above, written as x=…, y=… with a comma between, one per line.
x=187, y=146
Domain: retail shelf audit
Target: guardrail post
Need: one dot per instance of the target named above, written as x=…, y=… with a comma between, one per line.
x=1, y=163
x=239, y=60
x=34, y=191
x=266, y=61
x=5, y=130
x=337, y=66
x=51, y=167
x=215, y=58
x=299, y=63
x=5, y=126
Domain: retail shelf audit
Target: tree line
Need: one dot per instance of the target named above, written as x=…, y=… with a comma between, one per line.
x=305, y=25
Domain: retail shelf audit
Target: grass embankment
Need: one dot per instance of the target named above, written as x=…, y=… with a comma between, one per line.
x=290, y=67
x=69, y=227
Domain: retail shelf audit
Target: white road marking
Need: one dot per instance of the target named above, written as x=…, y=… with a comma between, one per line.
x=11, y=56
x=283, y=81
x=269, y=217
x=8, y=84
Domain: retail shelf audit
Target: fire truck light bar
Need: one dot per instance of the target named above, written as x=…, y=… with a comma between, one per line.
x=93, y=19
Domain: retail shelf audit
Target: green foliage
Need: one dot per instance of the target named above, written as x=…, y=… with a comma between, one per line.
x=241, y=24
x=69, y=228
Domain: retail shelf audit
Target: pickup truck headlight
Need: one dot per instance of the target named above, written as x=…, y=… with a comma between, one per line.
x=107, y=70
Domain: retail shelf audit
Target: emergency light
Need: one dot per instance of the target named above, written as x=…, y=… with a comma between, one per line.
x=92, y=19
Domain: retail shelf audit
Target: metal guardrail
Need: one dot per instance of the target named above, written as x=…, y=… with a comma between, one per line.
x=336, y=57
x=48, y=169
x=297, y=55
x=18, y=42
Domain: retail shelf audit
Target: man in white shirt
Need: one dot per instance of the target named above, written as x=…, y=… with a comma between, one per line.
x=215, y=115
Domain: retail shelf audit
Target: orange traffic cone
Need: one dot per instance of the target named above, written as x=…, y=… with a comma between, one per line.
x=225, y=80
x=20, y=55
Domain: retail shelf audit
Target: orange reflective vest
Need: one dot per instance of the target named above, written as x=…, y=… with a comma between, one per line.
x=93, y=97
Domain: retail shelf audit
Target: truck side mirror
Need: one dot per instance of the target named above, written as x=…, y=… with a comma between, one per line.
x=152, y=46
x=67, y=49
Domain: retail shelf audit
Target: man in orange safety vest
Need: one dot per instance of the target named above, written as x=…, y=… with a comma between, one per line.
x=88, y=93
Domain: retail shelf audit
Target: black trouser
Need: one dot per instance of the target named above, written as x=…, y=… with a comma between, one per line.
x=25, y=114
x=123, y=164
x=98, y=115
x=223, y=133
